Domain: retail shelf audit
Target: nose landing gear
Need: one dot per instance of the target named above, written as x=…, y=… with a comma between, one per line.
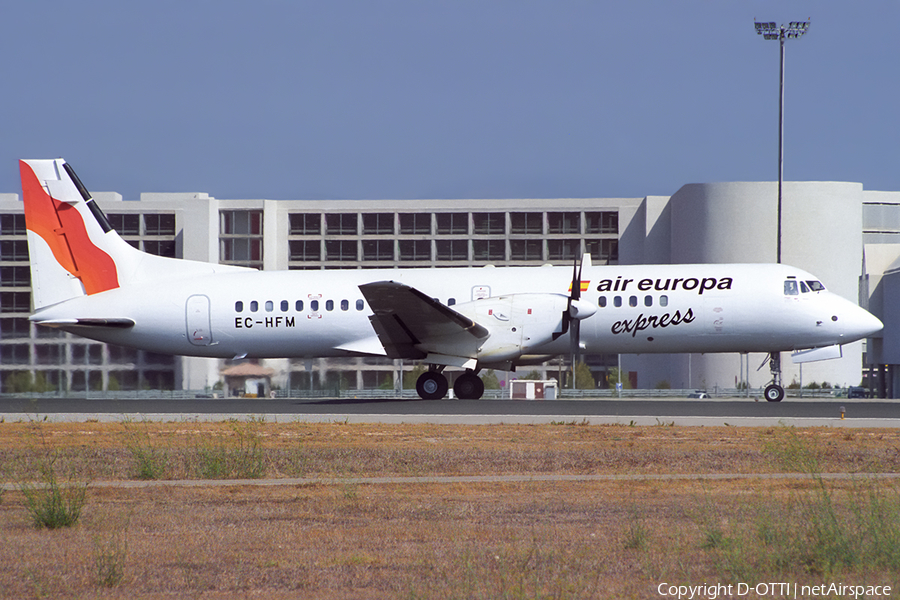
x=774, y=392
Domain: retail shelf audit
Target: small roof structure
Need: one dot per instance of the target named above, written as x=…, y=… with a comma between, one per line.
x=248, y=370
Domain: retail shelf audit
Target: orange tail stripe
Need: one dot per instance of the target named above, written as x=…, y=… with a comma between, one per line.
x=61, y=226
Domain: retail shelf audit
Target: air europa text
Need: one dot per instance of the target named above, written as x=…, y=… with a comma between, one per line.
x=620, y=284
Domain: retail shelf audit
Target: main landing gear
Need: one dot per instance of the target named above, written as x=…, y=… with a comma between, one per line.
x=774, y=392
x=432, y=385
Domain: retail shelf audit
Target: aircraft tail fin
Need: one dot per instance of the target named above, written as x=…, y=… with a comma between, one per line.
x=70, y=250
x=74, y=251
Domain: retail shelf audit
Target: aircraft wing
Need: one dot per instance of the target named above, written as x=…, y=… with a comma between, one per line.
x=412, y=325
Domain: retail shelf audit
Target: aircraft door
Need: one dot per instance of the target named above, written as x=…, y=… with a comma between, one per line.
x=199, y=331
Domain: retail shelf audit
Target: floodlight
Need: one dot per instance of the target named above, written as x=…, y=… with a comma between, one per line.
x=771, y=31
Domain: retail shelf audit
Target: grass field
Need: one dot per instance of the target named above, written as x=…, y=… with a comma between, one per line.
x=338, y=538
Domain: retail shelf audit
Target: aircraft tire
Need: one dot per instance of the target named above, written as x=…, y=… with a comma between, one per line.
x=774, y=393
x=432, y=385
x=468, y=386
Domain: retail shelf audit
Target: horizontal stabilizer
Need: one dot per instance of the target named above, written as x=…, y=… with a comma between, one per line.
x=816, y=354
x=91, y=323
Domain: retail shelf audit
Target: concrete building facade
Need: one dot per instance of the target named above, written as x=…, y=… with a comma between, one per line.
x=847, y=236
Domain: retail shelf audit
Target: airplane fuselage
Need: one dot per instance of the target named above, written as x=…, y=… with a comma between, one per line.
x=641, y=309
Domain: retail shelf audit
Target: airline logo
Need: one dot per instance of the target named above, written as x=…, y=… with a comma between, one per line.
x=584, y=285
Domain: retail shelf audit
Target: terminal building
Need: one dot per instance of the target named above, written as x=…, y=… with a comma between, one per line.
x=847, y=236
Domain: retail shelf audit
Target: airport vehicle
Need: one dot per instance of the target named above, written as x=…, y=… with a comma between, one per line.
x=88, y=281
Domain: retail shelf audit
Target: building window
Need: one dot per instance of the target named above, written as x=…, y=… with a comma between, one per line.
x=378, y=249
x=603, y=250
x=526, y=223
x=160, y=247
x=14, y=354
x=12, y=224
x=14, y=250
x=564, y=222
x=563, y=249
x=160, y=224
x=241, y=237
x=341, y=250
x=126, y=224
x=14, y=327
x=489, y=223
x=452, y=249
x=602, y=222
x=48, y=354
x=452, y=223
x=13, y=302
x=415, y=223
x=305, y=224
x=341, y=224
x=526, y=249
x=305, y=250
x=415, y=249
x=240, y=251
x=378, y=224
x=489, y=249
x=15, y=276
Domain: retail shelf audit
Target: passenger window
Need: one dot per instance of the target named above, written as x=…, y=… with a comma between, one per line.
x=648, y=300
x=299, y=306
x=617, y=301
x=314, y=305
x=816, y=286
x=632, y=301
x=602, y=301
x=254, y=306
x=804, y=289
x=238, y=306
x=790, y=288
x=270, y=306
x=360, y=305
x=329, y=305
x=663, y=300
x=284, y=306
x=345, y=305
x=451, y=301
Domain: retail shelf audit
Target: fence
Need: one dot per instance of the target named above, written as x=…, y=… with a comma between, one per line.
x=379, y=394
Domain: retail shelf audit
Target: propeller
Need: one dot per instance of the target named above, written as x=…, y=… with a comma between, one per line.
x=576, y=310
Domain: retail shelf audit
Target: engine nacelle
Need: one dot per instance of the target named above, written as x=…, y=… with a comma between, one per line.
x=520, y=323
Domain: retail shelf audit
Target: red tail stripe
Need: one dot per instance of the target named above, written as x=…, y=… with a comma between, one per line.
x=61, y=226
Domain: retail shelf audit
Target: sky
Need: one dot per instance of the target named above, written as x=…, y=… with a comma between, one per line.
x=405, y=99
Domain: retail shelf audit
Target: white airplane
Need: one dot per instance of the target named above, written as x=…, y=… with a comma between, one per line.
x=88, y=281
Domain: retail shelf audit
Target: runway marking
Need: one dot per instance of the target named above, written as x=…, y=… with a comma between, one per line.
x=459, y=479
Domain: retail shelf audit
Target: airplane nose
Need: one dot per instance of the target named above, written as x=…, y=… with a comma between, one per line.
x=861, y=323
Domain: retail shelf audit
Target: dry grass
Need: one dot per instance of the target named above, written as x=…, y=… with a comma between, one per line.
x=419, y=540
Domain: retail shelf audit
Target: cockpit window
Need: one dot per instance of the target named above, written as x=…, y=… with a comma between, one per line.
x=815, y=286
x=790, y=288
x=804, y=289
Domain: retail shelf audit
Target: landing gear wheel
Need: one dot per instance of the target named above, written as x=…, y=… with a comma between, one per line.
x=432, y=385
x=774, y=393
x=468, y=386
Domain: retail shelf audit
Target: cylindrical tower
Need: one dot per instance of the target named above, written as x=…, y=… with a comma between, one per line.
x=736, y=223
